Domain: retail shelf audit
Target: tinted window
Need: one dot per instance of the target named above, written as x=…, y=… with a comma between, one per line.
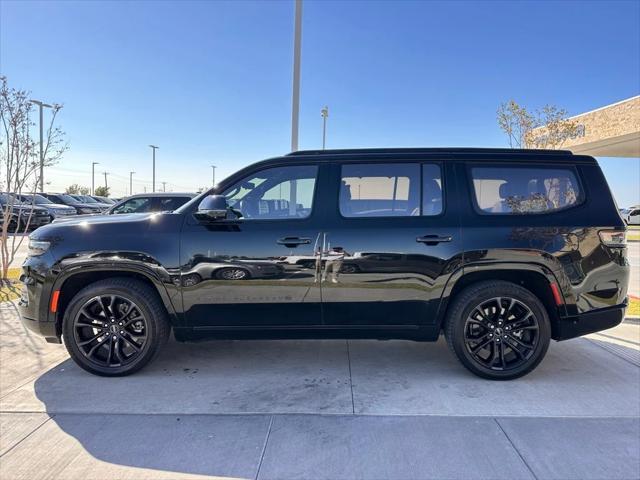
x=135, y=205
x=279, y=192
x=380, y=190
x=431, y=190
x=515, y=190
x=169, y=204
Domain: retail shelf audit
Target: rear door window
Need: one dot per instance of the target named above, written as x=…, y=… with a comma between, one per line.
x=390, y=190
x=514, y=190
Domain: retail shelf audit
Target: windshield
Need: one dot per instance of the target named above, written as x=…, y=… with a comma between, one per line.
x=68, y=198
x=6, y=198
x=39, y=199
x=87, y=199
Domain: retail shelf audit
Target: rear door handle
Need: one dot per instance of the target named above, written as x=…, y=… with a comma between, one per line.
x=291, y=242
x=433, y=239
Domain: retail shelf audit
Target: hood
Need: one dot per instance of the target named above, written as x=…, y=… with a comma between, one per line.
x=53, y=205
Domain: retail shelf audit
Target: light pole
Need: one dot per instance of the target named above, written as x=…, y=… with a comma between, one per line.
x=93, y=177
x=295, y=103
x=164, y=186
x=325, y=114
x=153, y=183
x=213, y=175
x=106, y=186
x=41, y=105
x=131, y=183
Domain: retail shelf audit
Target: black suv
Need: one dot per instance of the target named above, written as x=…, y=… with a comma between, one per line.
x=502, y=250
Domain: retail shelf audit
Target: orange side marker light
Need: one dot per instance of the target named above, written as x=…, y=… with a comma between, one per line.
x=556, y=294
x=54, y=301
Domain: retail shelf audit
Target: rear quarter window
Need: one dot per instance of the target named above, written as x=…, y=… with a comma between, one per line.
x=516, y=190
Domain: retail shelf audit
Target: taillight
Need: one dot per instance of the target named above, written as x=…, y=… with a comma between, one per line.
x=613, y=238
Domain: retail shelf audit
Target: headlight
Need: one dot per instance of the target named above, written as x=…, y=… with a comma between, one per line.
x=37, y=247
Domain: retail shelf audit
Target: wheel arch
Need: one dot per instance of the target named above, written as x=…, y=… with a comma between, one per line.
x=72, y=282
x=537, y=279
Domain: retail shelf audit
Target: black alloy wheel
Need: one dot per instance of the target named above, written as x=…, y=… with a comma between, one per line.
x=114, y=327
x=110, y=330
x=497, y=329
x=501, y=333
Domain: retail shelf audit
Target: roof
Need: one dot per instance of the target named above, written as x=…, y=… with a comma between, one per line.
x=163, y=194
x=436, y=150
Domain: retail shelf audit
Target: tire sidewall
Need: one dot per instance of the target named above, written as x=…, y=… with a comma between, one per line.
x=465, y=306
x=78, y=356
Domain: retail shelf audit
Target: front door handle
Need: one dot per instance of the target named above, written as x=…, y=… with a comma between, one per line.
x=433, y=239
x=292, y=242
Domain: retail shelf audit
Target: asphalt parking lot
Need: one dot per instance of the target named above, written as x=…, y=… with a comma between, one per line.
x=319, y=410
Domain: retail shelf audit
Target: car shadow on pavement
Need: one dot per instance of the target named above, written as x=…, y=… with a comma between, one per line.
x=205, y=408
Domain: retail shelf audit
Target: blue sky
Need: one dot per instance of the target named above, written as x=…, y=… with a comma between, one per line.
x=210, y=82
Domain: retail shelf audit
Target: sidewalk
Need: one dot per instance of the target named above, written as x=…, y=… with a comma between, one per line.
x=319, y=410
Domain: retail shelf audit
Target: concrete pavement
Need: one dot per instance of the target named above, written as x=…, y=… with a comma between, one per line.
x=319, y=410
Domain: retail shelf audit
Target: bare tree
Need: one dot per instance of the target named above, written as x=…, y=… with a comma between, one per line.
x=547, y=127
x=19, y=164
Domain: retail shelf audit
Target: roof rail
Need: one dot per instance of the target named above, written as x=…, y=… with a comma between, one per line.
x=365, y=151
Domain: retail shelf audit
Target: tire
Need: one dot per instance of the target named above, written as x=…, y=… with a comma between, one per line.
x=132, y=340
x=233, y=274
x=489, y=341
x=349, y=268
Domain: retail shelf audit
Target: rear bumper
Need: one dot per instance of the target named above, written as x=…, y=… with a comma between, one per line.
x=590, y=322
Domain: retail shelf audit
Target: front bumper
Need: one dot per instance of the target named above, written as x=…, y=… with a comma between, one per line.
x=589, y=322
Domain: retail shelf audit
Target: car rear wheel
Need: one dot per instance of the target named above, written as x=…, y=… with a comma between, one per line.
x=232, y=274
x=498, y=330
x=115, y=327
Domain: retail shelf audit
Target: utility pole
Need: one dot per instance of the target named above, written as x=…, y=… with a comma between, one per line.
x=325, y=114
x=164, y=186
x=106, y=187
x=41, y=106
x=213, y=175
x=153, y=183
x=295, y=103
x=131, y=183
x=93, y=177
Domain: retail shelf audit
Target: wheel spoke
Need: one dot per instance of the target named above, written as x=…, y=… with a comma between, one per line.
x=507, y=314
x=92, y=339
x=131, y=320
x=482, y=344
x=90, y=336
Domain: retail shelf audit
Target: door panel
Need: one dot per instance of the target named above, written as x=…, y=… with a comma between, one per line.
x=389, y=274
x=257, y=270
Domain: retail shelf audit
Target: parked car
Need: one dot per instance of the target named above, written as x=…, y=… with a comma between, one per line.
x=21, y=215
x=89, y=200
x=631, y=215
x=146, y=203
x=56, y=210
x=81, y=207
x=107, y=200
x=502, y=250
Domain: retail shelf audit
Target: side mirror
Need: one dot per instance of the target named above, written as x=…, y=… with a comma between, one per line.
x=213, y=207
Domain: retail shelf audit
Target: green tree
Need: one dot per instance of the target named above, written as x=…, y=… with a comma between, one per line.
x=102, y=191
x=76, y=189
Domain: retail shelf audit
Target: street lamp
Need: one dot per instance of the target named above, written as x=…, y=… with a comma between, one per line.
x=324, y=113
x=131, y=183
x=213, y=175
x=295, y=103
x=93, y=177
x=41, y=105
x=106, y=186
x=153, y=184
x=164, y=186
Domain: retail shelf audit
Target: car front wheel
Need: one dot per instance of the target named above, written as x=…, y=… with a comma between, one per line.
x=498, y=330
x=115, y=327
